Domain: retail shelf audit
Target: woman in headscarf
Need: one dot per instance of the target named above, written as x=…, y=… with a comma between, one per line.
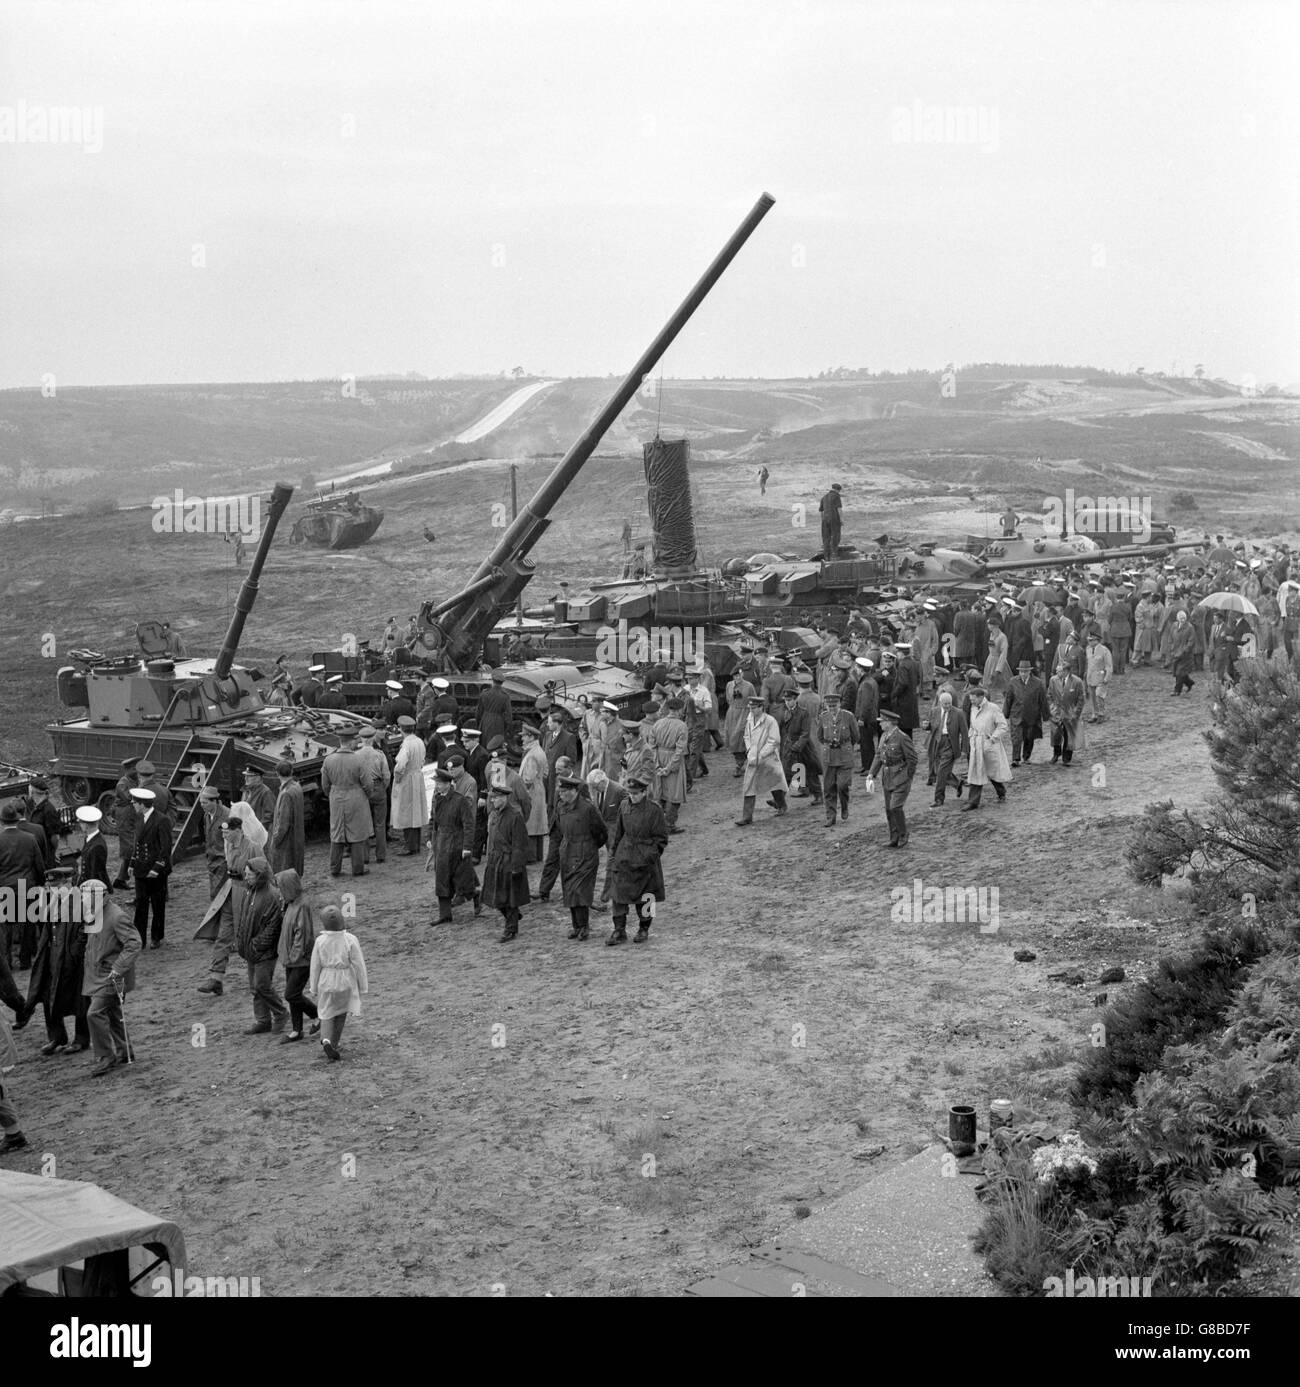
x=337, y=979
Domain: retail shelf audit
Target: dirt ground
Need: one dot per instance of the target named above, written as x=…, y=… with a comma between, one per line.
x=564, y=1118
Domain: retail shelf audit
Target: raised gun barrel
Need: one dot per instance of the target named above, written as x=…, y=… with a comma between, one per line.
x=465, y=619
x=248, y=590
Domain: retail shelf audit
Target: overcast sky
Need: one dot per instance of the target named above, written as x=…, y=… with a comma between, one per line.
x=289, y=190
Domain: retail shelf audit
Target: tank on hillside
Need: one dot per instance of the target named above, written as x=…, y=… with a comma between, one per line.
x=336, y=522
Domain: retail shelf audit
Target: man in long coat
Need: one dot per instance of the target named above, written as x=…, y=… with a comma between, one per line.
x=409, y=811
x=640, y=837
x=949, y=747
x=762, y=761
x=669, y=738
x=866, y=711
x=1182, y=648
x=1025, y=708
x=109, y=964
x=895, y=761
x=452, y=827
x=1020, y=636
x=346, y=780
x=798, y=748
x=215, y=818
x=557, y=739
x=124, y=817
x=59, y=966
x=376, y=761
x=606, y=744
x=493, y=714
x=499, y=773
x=990, y=744
x=505, y=864
x=905, y=695
x=1066, y=695
x=260, y=796
x=577, y=835
x=535, y=770
x=288, y=833
x=740, y=689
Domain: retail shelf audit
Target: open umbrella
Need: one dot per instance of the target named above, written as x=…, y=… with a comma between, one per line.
x=1041, y=592
x=1186, y=560
x=1229, y=602
x=1222, y=554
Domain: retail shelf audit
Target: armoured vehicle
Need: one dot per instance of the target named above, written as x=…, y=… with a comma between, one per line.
x=198, y=720
x=336, y=522
x=457, y=633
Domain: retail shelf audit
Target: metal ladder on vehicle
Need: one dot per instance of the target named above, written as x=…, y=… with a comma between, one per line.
x=200, y=764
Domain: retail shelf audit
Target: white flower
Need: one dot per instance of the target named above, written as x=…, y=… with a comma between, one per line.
x=1069, y=1155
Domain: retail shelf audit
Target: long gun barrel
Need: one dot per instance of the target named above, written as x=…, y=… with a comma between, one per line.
x=1095, y=556
x=466, y=618
x=248, y=591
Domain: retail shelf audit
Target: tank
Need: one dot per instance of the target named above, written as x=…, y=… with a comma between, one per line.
x=199, y=720
x=336, y=522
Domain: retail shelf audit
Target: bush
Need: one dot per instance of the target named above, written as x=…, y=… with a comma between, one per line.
x=1182, y=500
x=1184, y=999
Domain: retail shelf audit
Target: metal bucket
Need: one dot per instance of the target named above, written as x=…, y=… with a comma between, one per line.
x=961, y=1129
x=1000, y=1114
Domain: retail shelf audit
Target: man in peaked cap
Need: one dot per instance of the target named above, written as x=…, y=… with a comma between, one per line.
x=398, y=705
x=835, y=734
x=146, y=778
x=577, y=835
x=308, y=693
x=151, y=865
x=57, y=972
x=895, y=761
x=333, y=698
x=259, y=796
x=636, y=849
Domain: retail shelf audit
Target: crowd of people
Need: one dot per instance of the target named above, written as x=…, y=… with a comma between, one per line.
x=587, y=798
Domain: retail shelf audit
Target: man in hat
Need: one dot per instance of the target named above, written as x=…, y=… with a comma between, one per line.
x=1066, y=695
x=1098, y=676
x=308, y=693
x=866, y=711
x=46, y=817
x=391, y=639
x=557, y=739
x=535, y=771
x=949, y=747
x=505, y=864
x=151, y=865
x=607, y=742
x=499, y=773
x=376, y=761
x=835, y=734
x=798, y=749
x=58, y=968
x=990, y=741
x=288, y=834
x=216, y=817
x=1025, y=707
x=124, y=818
x=762, y=740
x=697, y=704
x=639, y=754
x=410, y=803
x=640, y=837
x=346, y=781
x=668, y=736
x=925, y=643
x=22, y=866
x=607, y=796
x=830, y=507
x=451, y=827
x=258, y=797
x=895, y=761
x=904, y=696
x=577, y=834
x=146, y=778
x=332, y=699
x=1119, y=630
x=493, y=712
x=740, y=689
x=107, y=966
x=1183, y=650
x=1071, y=655
x=397, y=705
x=1019, y=632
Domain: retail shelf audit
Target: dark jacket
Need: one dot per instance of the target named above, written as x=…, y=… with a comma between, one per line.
x=577, y=836
x=1026, y=703
x=903, y=697
x=505, y=864
x=451, y=822
x=153, y=846
x=640, y=837
x=92, y=861
x=21, y=858
x=257, y=926
x=494, y=715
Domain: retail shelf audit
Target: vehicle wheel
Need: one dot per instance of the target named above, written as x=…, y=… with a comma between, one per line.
x=76, y=790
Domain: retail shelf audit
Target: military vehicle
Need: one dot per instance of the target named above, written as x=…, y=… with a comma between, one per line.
x=198, y=720
x=792, y=592
x=457, y=633
x=336, y=522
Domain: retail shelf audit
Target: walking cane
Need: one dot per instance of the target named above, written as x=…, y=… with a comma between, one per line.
x=120, y=989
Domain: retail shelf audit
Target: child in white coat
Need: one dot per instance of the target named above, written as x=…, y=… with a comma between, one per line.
x=338, y=978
